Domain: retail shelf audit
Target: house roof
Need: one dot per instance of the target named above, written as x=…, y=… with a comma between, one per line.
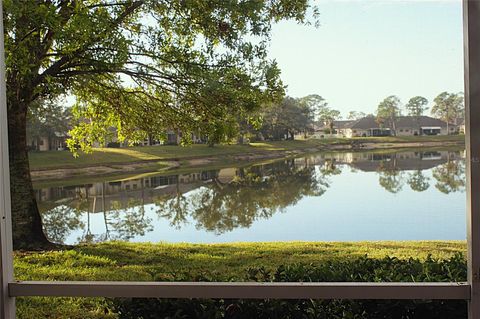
x=370, y=122
x=364, y=123
x=336, y=124
x=411, y=121
x=341, y=124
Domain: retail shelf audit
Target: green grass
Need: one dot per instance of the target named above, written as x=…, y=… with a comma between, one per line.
x=147, y=261
x=64, y=159
x=165, y=262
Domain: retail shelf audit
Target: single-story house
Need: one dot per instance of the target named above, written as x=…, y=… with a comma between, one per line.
x=405, y=126
x=55, y=142
x=323, y=130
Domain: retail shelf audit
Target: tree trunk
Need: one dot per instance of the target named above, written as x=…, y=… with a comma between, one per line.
x=292, y=135
x=241, y=139
x=26, y=219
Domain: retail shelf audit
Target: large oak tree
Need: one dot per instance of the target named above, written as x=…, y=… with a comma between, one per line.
x=140, y=66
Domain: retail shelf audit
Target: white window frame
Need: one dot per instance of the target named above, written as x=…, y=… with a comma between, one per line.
x=470, y=290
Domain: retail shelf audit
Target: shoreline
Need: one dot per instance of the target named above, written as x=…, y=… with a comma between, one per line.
x=172, y=163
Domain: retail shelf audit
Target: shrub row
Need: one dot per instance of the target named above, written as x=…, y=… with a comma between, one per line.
x=356, y=270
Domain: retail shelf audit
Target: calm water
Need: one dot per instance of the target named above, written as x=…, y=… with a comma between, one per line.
x=334, y=197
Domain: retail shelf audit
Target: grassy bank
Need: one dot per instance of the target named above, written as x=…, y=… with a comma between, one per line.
x=145, y=261
x=155, y=154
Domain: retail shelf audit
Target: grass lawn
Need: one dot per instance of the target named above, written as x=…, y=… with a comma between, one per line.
x=64, y=159
x=165, y=262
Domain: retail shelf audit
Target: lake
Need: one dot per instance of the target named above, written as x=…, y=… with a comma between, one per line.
x=414, y=195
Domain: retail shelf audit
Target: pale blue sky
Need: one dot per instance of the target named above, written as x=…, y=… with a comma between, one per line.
x=367, y=50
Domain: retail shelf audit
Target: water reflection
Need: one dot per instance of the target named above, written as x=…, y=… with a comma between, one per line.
x=247, y=195
x=220, y=201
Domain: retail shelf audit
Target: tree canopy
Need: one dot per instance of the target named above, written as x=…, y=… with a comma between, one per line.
x=448, y=106
x=388, y=112
x=144, y=65
x=287, y=118
x=355, y=115
x=47, y=120
x=416, y=106
x=140, y=66
x=328, y=116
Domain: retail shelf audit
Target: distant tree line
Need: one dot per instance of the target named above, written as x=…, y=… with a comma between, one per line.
x=291, y=117
x=448, y=107
x=294, y=116
x=285, y=119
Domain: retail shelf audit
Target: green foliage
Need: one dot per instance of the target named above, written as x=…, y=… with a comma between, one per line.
x=448, y=106
x=328, y=116
x=313, y=102
x=162, y=261
x=71, y=308
x=388, y=112
x=223, y=262
x=416, y=106
x=145, y=66
x=363, y=269
x=291, y=116
x=47, y=119
x=139, y=66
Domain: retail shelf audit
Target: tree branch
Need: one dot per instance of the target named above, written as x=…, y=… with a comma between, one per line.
x=57, y=66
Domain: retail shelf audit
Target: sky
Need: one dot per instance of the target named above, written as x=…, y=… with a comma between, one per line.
x=366, y=50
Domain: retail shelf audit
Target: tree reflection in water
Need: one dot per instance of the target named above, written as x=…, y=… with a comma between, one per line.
x=175, y=209
x=128, y=221
x=418, y=181
x=219, y=202
x=59, y=221
x=122, y=220
x=450, y=176
x=255, y=193
x=390, y=176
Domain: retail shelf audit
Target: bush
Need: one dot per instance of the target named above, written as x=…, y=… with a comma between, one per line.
x=359, y=270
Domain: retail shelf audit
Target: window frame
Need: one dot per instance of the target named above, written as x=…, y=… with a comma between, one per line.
x=470, y=290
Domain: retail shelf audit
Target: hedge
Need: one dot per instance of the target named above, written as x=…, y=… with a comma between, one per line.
x=363, y=269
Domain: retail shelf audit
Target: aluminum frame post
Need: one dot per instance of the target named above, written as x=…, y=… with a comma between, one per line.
x=471, y=29
x=7, y=303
